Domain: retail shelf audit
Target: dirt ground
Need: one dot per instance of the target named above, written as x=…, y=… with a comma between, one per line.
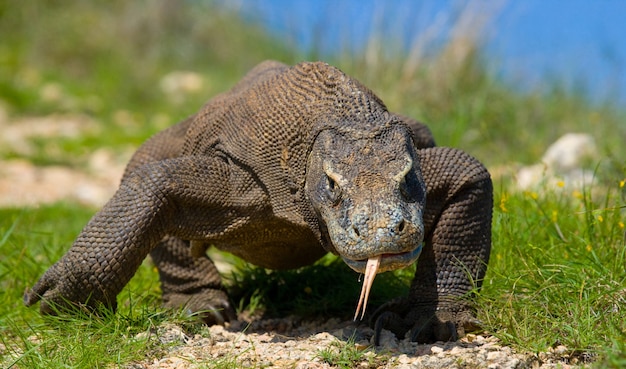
x=292, y=343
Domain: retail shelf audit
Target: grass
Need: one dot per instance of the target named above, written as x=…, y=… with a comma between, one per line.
x=32, y=240
x=305, y=292
x=346, y=355
x=80, y=341
x=556, y=275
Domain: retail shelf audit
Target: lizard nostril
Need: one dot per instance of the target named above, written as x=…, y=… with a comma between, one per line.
x=356, y=231
x=400, y=226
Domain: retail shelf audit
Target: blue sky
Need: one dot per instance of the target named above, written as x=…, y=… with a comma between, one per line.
x=582, y=43
x=576, y=40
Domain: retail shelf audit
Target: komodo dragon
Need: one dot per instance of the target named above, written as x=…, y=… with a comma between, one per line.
x=291, y=163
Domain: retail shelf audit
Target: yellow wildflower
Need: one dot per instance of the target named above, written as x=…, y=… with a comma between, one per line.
x=503, y=199
x=560, y=184
x=622, y=183
x=600, y=218
x=554, y=215
x=589, y=248
x=621, y=225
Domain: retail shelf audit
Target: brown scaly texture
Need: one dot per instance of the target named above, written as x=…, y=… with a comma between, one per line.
x=291, y=163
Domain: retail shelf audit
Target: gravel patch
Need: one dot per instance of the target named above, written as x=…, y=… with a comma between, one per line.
x=293, y=343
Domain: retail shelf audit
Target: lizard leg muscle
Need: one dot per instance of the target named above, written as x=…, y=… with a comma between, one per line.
x=184, y=197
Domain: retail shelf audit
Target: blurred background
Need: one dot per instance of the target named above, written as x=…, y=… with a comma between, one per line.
x=578, y=43
x=82, y=84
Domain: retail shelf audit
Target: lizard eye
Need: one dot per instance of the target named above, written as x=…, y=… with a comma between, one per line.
x=333, y=191
x=410, y=188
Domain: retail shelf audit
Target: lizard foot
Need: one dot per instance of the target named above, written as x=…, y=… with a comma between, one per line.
x=210, y=305
x=426, y=323
x=65, y=289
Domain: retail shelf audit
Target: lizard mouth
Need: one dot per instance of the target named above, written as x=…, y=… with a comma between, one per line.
x=378, y=264
x=387, y=261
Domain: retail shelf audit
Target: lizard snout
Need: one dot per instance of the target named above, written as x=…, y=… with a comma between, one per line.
x=384, y=227
x=362, y=223
x=379, y=230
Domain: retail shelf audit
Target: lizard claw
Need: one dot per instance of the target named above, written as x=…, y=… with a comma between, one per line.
x=31, y=296
x=386, y=321
x=389, y=316
x=46, y=291
x=58, y=290
x=426, y=323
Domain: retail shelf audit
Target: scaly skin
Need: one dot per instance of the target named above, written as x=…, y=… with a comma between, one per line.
x=291, y=163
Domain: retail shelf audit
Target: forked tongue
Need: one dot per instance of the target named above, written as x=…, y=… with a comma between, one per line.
x=370, y=272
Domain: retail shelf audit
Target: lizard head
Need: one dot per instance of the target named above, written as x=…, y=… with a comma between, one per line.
x=369, y=194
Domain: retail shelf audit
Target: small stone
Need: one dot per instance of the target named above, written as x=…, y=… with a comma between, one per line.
x=492, y=339
x=299, y=348
x=494, y=355
x=479, y=339
x=407, y=347
x=349, y=333
x=324, y=336
x=170, y=333
x=388, y=340
x=436, y=349
x=310, y=365
x=456, y=350
x=405, y=366
x=470, y=337
x=142, y=336
x=560, y=350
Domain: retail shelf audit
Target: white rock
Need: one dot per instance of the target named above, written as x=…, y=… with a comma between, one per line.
x=568, y=152
x=562, y=165
x=436, y=349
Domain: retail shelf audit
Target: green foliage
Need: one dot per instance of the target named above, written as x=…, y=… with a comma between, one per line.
x=108, y=60
x=346, y=355
x=80, y=341
x=328, y=289
x=556, y=275
x=31, y=241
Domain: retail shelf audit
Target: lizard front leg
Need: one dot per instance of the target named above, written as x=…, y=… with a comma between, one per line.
x=189, y=197
x=454, y=260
